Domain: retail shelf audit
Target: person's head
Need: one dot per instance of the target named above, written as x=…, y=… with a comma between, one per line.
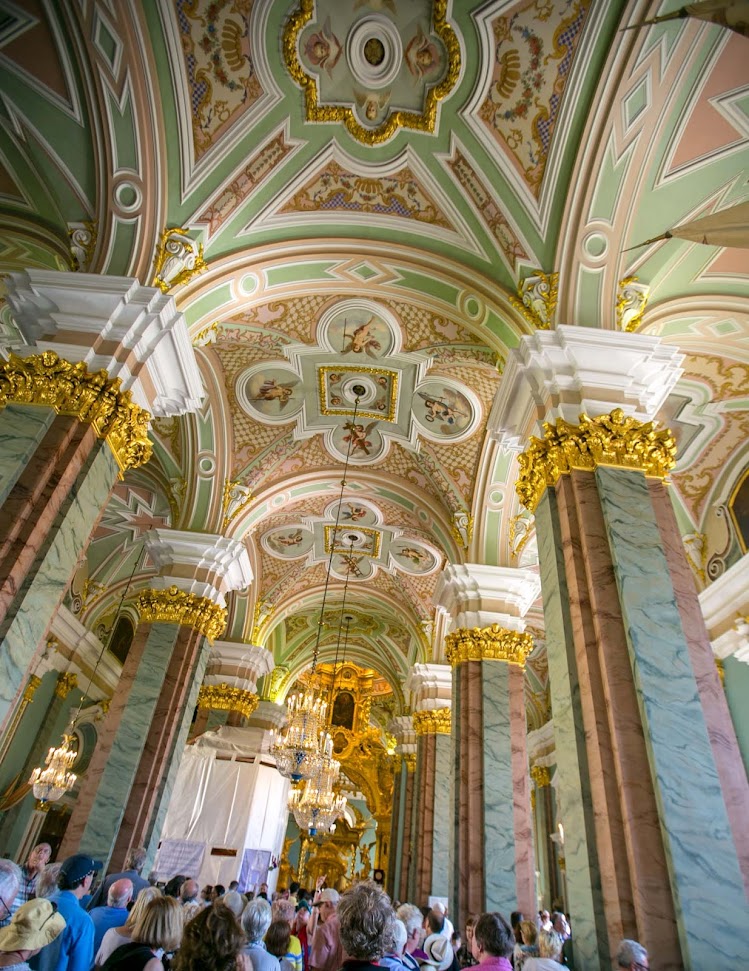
x=632, y=956
x=559, y=923
x=39, y=857
x=136, y=858
x=234, y=885
x=412, y=918
x=455, y=940
x=435, y=922
x=284, y=909
x=327, y=903
x=46, y=881
x=515, y=918
x=470, y=927
x=189, y=892
x=303, y=913
x=550, y=945
x=235, y=902
x=207, y=893
x=143, y=899
x=160, y=924
x=492, y=935
x=211, y=941
x=34, y=925
x=400, y=935
x=77, y=873
x=528, y=932
x=120, y=893
x=277, y=938
x=366, y=921
x=218, y=891
x=174, y=886
x=10, y=881
x=256, y=919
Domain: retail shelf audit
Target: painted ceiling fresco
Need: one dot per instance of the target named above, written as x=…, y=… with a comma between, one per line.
x=387, y=194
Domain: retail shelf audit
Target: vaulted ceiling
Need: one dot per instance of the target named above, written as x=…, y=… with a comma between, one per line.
x=371, y=183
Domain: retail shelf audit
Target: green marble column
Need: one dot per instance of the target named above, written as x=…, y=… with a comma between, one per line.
x=22, y=430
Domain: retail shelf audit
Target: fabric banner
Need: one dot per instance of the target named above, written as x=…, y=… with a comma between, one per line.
x=254, y=870
x=179, y=856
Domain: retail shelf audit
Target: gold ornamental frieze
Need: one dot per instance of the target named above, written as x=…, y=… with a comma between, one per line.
x=614, y=440
x=226, y=697
x=92, y=397
x=410, y=762
x=492, y=643
x=175, y=606
x=435, y=721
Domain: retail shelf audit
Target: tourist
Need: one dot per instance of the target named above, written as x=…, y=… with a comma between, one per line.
x=157, y=932
x=632, y=956
x=117, y=936
x=464, y=954
x=134, y=863
x=439, y=953
x=46, y=882
x=277, y=942
x=33, y=926
x=366, y=922
x=493, y=942
x=115, y=913
x=37, y=859
x=440, y=911
x=74, y=949
x=550, y=953
x=393, y=958
x=326, y=953
x=256, y=919
x=212, y=941
x=284, y=909
x=235, y=902
x=10, y=881
x=299, y=928
x=528, y=947
x=413, y=954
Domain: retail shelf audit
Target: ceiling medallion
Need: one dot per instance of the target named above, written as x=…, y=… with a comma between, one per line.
x=375, y=72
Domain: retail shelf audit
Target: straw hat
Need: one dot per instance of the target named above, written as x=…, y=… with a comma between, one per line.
x=34, y=925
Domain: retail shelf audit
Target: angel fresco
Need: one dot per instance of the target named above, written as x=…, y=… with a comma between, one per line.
x=357, y=436
x=288, y=540
x=448, y=408
x=270, y=390
x=352, y=513
x=372, y=104
x=416, y=556
x=323, y=49
x=422, y=56
x=350, y=565
x=363, y=340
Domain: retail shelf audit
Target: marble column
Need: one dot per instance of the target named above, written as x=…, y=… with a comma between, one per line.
x=644, y=811
x=402, y=728
x=406, y=848
x=134, y=767
x=102, y=355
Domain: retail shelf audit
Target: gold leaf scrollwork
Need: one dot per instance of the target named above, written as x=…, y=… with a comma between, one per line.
x=91, y=397
x=65, y=684
x=540, y=775
x=225, y=697
x=30, y=690
x=537, y=298
x=434, y=721
x=492, y=643
x=175, y=606
x=410, y=762
x=609, y=440
x=178, y=259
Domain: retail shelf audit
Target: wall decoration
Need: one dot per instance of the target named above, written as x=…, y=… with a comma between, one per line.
x=442, y=410
x=267, y=392
x=289, y=542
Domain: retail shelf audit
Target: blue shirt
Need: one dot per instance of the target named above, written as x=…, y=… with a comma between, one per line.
x=73, y=950
x=104, y=918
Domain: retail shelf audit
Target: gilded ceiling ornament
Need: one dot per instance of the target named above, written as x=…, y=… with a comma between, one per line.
x=608, y=440
x=521, y=530
x=208, y=335
x=236, y=498
x=492, y=643
x=261, y=615
x=82, y=238
x=434, y=721
x=174, y=606
x=224, y=697
x=71, y=389
x=540, y=775
x=631, y=300
x=65, y=684
x=463, y=528
x=178, y=259
x=720, y=668
x=410, y=761
x=375, y=52
x=537, y=301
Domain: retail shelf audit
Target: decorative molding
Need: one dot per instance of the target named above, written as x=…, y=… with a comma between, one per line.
x=410, y=762
x=174, y=606
x=70, y=389
x=224, y=697
x=205, y=564
x=30, y=690
x=541, y=775
x=608, y=440
x=82, y=238
x=178, y=259
x=537, y=298
x=631, y=301
x=477, y=595
x=492, y=643
x=435, y=721
x=65, y=684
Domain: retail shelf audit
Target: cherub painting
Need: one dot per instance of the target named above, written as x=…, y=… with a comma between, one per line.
x=422, y=56
x=270, y=390
x=288, y=540
x=352, y=514
x=323, y=49
x=372, y=104
x=414, y=554
x=362, y=340
x=449, y=408
x=358, y=437
x=349, y=565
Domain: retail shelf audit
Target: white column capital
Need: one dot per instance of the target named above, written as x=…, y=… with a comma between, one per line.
x=725, y=607
x=562, y=373
x=476, y=595
x=238, y=664
x=204, y=564
x=268, y=715
x=134, y=333
x=402, y=728
x=430, y=686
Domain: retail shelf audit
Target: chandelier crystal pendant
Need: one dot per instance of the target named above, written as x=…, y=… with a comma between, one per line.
x=302, y=749
x=314, y=803
x=55, y=779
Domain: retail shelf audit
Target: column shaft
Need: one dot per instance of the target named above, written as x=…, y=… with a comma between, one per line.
x=424, y=818
x=22, y=430
x=406, y=852
x=396, y=829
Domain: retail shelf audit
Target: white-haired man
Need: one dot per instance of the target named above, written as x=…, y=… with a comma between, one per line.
x=632, y=956
x=413, y=919
x=115, y=913
x=10, y=881
x=326, y=953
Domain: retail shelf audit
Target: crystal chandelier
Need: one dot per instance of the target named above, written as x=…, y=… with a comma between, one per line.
x=314, y=803
x=55, y=779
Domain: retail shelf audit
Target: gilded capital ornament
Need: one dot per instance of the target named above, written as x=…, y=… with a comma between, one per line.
x=537, y=298
x=30, y=690
x=608, y=440
x=71, y=389
x=434, y=721
x=410, y=762
x=178, y=259
x=65, y=684
x=492, y=643
x=225, y=697
x=174, y=606
x=540, y=775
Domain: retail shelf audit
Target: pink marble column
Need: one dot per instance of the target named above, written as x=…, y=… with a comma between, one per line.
x=424, y=847
x=401, y=885
x=725, y=747
x=469, y=832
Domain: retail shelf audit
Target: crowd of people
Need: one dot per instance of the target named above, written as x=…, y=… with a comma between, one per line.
x=51, y=921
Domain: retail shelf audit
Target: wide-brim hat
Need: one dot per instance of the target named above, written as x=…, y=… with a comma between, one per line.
x=439, y=951
x=328, y=895
x=34, y=925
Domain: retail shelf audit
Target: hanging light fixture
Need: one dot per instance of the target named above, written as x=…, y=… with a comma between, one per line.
x=304, y=749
